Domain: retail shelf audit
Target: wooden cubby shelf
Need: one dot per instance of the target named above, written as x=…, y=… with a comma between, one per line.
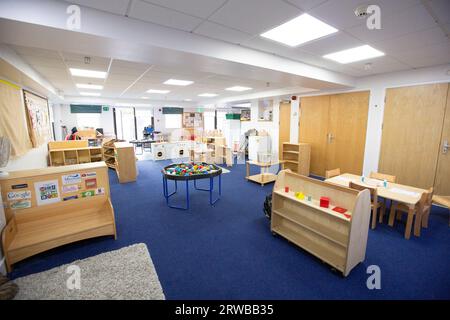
x=338, y=239
x=296, y=157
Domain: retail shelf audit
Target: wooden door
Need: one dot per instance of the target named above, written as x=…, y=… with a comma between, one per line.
x=347, y=131
x=412, y=130
x=313, y=130
x=442, y=179
x=285, y=125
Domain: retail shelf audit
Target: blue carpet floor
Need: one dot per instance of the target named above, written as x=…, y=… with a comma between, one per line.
x=228, y=251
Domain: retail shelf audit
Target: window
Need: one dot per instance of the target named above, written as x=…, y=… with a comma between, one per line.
x=88, y=120
x=173, y=121
x=209, y=120
x=143, y=119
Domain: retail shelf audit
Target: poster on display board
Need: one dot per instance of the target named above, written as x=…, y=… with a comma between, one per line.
x=38, y=118
x=47, y=192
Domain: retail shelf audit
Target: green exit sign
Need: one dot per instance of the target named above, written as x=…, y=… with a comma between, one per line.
x=105, y=108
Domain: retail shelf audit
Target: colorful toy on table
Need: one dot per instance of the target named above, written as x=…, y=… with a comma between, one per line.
x=300, y=195
x=324, y=202
x=189, y=169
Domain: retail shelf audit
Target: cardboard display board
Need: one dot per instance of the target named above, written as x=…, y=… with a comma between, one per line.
x=38, y=117
x=13, y=123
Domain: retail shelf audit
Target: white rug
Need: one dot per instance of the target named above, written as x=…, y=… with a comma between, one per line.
x=124, y=274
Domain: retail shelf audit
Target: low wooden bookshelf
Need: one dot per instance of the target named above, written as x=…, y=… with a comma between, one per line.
x=338, y=239
x=297, y=157
x=79, y=208
x=63, y=153
x=119, y=155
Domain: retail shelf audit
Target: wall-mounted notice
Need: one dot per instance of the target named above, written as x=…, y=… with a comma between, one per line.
x=47, y=192
x=71, y=178
x=19, y=195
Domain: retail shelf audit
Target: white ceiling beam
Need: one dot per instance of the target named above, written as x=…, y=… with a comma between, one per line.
x=138, y=34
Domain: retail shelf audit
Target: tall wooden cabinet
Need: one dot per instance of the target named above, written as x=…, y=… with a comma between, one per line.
x=416, y=128
x=335, y=127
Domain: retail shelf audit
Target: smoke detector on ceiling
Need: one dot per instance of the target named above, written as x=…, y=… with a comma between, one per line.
x=361, y=11
x=87, y=60
x=368, y=66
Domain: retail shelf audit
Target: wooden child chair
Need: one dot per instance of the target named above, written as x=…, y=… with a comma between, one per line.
x=332, y=173
x=375, y=203
x=421, y=213
x=388, y=178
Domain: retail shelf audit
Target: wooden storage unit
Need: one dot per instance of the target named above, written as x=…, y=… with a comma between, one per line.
x=335, y=238
x=296, y=157
x=125, y=162
x=63, y=153
x=80, y=210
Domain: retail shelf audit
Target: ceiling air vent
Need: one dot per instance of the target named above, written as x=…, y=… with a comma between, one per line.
x=361, y=11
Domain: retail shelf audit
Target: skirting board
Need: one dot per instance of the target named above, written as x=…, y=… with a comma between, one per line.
x=3, y=266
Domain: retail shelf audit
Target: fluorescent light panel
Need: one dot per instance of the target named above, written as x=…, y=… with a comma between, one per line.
x=299, y=30
x=176, y=82
x=87, y=73
x=90, y=94
x=187, y=100
x=158, y=91
x=89, y=86
x=354, y=54
x=238, y=88
x=208, y=95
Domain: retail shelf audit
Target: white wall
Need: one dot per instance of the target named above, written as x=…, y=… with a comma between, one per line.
x=35, y=158
x=63, y=117
x=377, y=85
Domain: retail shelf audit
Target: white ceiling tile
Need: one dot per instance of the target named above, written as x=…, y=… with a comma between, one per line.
x=442, y=9
x=432, y=56
x=216, y=31
x=306, y=4
x=198, y=8
x=413, y=19
x=36, y=52
x=412, y=41
x=380, y=65
x=112, y=6
x=340, y=14
x=333, y=43
x=255, y=16
x=166, y=17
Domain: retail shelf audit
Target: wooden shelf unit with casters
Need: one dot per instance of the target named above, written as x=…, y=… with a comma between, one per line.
x=62, y=153
x=119, y=155
x=78, y=211
x=297, y=157
x=338, y=239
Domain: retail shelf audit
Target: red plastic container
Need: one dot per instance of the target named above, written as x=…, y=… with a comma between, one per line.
x=286, y=189
x=324, y=202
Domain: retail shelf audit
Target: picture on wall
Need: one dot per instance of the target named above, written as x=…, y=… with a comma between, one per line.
x=38, y=118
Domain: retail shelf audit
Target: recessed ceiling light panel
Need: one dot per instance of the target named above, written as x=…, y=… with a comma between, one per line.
x=88, y=73
x=299, y=30
x=89, y=86
x=354, y=54
x=208, y=95
x=238, y=88
x=90, y=94
x=158, y=91
x=176, y=82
